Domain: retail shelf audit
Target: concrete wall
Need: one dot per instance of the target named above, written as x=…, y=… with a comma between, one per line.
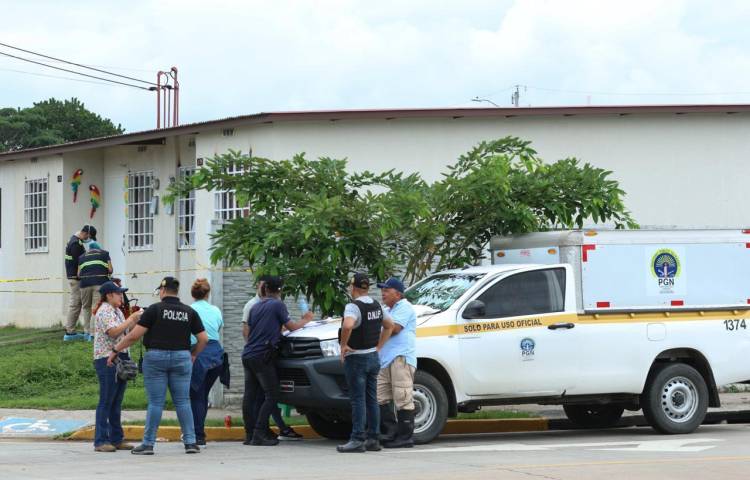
x=31, y=309
x=682, y=170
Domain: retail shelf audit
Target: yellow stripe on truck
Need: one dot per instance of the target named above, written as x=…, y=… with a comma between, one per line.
x=516, y=323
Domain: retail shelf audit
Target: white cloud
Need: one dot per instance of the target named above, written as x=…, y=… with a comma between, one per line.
x=240, y=57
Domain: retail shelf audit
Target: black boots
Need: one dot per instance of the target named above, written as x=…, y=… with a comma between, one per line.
x=388, y=425
x=404, y=431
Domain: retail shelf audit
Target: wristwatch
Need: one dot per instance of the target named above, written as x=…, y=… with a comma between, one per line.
x=114, y=350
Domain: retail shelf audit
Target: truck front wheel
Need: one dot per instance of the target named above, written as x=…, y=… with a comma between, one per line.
x=594, y=416
x=329, y=426
x=675, y=399
x=431, y=407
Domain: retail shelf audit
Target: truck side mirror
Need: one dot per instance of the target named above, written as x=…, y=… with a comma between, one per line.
x=475, y=309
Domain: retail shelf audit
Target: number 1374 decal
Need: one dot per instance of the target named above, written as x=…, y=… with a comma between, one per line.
x=735, y=324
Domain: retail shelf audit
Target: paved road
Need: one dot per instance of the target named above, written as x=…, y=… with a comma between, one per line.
x=717, y=451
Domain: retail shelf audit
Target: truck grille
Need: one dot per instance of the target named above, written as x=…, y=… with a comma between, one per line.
x=295, y=375
x=300, y=347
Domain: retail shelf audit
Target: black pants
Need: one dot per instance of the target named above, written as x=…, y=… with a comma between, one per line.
x=260, y=376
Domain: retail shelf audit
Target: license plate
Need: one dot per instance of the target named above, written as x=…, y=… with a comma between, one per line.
x=287, y=386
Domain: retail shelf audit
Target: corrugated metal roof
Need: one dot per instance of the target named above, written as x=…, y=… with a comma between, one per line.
x=372, y=114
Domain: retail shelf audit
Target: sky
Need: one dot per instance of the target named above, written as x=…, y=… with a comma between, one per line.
x=243, y=57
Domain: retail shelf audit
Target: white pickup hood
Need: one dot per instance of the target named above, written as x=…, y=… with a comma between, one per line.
x=328, y=328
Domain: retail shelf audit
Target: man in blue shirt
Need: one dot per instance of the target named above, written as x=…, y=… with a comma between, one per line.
x=259, y=358
x=398, y=362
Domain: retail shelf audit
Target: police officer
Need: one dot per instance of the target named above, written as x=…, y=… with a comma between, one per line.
x=94, y=269
x=364, y=330
x=166, y=327
x=73, y=250
x=264, y=324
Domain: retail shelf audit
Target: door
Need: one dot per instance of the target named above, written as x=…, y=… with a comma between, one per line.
x=507, y=346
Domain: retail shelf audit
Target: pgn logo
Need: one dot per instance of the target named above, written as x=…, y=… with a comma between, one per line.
x=527, y=349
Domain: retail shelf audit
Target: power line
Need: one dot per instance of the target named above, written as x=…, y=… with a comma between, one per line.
x=78, y=64
x=55, y=76
x=74, y=72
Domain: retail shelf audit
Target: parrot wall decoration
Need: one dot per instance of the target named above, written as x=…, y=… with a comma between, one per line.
x=75, y=182
x=96, y=199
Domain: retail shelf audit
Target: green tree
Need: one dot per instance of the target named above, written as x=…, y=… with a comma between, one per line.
x=316, y=223
x=51, y=122
x=502, y=187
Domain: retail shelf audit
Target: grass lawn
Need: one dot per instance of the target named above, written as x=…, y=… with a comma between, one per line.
x=39, y=370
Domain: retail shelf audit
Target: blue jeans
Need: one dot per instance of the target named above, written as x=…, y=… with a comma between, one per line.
x=362, y=378
x=162, y=369
x=199, y=401
x=111, y=392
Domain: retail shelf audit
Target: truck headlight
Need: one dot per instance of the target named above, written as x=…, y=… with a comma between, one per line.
x=330, y=348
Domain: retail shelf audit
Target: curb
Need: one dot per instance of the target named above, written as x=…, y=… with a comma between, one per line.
x=237, y=434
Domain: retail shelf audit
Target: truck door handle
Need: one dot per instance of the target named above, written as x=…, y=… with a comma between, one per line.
x=566, y=326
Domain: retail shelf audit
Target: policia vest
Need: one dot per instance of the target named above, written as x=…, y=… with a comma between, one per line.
x=367, y=334
x=94, y=268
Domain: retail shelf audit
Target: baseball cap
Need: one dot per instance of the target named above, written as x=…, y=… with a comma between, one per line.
x=169, y=283
x=393, y=283
x=361, y=280
x=273, y=283
x=91, y=230
x=111, y=287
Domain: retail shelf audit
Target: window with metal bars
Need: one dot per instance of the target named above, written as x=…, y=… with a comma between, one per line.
x=225, y=201
x=186, y=214
x=35, y=215
x=140, y=215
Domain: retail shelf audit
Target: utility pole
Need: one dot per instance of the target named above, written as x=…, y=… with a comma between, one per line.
x=167, y=98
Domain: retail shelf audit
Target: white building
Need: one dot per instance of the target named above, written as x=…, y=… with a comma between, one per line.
x=682, y=165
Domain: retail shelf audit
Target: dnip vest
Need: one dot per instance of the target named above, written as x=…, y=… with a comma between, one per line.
x=367, y=334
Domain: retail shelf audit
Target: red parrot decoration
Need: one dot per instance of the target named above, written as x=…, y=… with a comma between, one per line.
x=75, y=182
x=96, y=199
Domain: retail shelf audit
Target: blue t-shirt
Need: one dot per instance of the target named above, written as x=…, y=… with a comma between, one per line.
x=265, y=321
x=403, y=344
x=211, y=318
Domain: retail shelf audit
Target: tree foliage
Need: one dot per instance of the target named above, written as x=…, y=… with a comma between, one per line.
x=51, y=122
x=315, y=223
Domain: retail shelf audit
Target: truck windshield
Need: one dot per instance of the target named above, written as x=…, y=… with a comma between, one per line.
x=440, y=291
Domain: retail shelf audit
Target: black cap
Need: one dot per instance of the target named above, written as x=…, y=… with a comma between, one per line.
x=91, y=230
x=111, y=287
x=170, y=283
x=273, y=284
x=361, y=280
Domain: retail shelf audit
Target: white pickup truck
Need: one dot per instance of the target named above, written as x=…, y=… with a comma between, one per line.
x=596, y=321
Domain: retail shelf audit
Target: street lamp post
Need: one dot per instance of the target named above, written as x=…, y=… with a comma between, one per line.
x=487, y=100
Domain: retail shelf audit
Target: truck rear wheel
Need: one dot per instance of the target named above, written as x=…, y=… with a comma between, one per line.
x=431, y=407
x=675, y=399
x=594, y=416
x=330, y=427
